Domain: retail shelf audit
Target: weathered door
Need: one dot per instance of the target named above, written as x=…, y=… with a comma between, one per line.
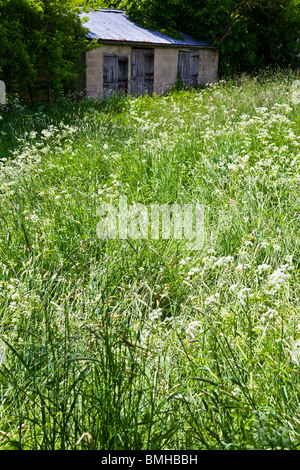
x=122, y=74
x=115, y=74
x=142, y=71
x=188, y=66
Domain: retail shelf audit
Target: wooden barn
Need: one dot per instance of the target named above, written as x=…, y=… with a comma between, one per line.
x=135, y=60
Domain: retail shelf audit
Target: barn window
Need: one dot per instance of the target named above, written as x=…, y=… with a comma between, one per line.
x=115, y=74
x=142, y=71
x=188, y=66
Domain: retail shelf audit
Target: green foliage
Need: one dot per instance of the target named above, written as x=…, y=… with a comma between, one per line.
x=41, y=42
x=139, y=343
x=251, y=34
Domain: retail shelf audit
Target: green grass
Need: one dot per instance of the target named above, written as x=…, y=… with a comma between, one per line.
x=140, y=344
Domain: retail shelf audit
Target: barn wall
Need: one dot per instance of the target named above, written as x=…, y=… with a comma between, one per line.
x=165, y=67
x=208, y=66
x=94, y=71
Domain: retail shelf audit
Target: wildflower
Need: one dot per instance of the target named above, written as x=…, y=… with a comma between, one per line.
x=278, y=279
x=194, y=325
x=268, y=315
x=295, y=352
x=241, y=267
x=263, y=267
x=243, y=294
x=223, y=261
x=276, y=247
x=183, y=261
x=233, y=287
x=155, y=314
x=289, y=259
x=213, y=299
x=2, y=352
x=193, y=271
x=232, y=166
x=46, y=133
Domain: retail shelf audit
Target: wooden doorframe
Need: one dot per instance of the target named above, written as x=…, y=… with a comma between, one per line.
x=115, y=74
x=188, y=66
x=142, y=70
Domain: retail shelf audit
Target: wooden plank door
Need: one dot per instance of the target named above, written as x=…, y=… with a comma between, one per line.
x=188, y=65
x=149, y=72
x=194, y=67
x=115, y=74
x=122, y=74
x=110, y=72
x=142, y=71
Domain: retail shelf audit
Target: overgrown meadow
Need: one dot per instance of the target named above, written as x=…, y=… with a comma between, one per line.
x=141, y=344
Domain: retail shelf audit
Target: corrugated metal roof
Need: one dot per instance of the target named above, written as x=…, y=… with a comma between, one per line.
x=114, y=25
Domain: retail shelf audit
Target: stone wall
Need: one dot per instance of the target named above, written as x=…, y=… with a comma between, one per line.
x=94, y=71
x=165, y=67
x=208, y=66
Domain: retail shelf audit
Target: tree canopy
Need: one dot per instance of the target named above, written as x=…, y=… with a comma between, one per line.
x=41, y=42
x=251, y=34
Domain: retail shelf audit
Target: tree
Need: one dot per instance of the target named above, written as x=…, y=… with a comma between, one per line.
x=251, y=34
x=41, y=42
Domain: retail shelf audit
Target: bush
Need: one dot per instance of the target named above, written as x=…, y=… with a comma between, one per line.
x=41, y=43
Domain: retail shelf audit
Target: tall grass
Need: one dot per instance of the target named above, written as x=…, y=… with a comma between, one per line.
x=139, y=344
